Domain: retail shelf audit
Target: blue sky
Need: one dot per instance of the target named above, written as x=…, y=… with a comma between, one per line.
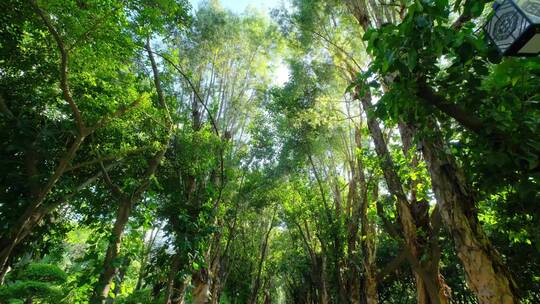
x=238, y=6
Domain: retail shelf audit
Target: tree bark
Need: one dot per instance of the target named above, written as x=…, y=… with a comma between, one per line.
x=103, y=285
x=175, y=267
x=324, y=298
x=406, y=219
x=427, y=242
x=264, y=247
x=119, y=280
x=201, y=287
x=368, y=236
x=367, y=233
x=31, y=215
x=180, y=294
x=486, y=274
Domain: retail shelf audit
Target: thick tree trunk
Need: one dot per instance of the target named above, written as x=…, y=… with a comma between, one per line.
x=103, y=285
x=427, y=242
x=406, y=218
x=486, y=274
x=201, y=287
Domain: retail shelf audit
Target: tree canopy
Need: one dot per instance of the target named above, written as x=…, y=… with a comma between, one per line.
x=151, y=154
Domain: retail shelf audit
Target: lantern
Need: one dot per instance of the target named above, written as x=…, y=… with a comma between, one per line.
x=515, y=27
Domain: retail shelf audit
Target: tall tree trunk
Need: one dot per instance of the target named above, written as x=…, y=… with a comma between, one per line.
x=322, y=280
x=486, y=274
x=119, y=280
x=264, y=247
x=368, y=236
x=353, y=276
x=146, y=257
x=359, y=9
x=103, y=285
x=406, y=219
x=201, y=286
x=427, y=242
x=367, y=232
x=180, y=294
x=31, y=216
x=216, y=271
x=175, y=267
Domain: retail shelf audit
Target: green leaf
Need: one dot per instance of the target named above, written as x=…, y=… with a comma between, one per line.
x=412, y=58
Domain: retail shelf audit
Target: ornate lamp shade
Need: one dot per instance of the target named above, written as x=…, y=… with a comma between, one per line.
x=515, y=27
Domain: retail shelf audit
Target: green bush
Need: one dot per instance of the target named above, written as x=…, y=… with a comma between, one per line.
x=44, y=273
x=143, y=296
x=33, y=281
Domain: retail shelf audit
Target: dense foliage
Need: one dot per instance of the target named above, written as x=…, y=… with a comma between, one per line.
x=151, y=154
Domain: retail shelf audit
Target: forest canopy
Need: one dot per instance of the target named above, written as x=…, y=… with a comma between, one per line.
x=351, y=152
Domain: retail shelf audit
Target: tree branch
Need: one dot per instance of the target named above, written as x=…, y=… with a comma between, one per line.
x=115, y=189
x=194, y=89
x=157, y=82
x=210, y=117
x=392, y=266
x=106, y=158
x=106, y=120
x=64, y=73
x=462, y=116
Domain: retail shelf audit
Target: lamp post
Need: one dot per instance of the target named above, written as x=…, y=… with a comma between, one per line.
x=514, y=28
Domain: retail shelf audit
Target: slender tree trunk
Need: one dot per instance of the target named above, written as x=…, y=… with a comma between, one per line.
x=175, y=267
x=368, y=236
x=119, y=280
x=216, y=272
x=323, y=281
x=31, y=215
x=215, y=290
x=354, y=282
x=486, y=274
x=180, y=294
x=146, y=257
x=367, y=233
x=3, y=273
x=264, y=246
x=102, y=287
